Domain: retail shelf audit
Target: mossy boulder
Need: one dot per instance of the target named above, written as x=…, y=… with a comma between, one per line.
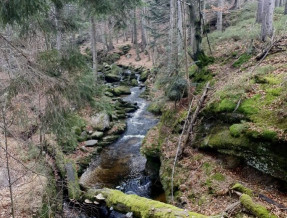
x=144, y=75
x=121, y=90
x=118, y=128
x=112, y=78
x=262, y=155
x=156, y=107
x=100, y=121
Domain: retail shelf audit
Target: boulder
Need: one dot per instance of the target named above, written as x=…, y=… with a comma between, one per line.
x=112, y=78
x=91, y=143
x=97, y=135
x=144, y=75
x=118, y=128
x=100, y=122
x=121, y=90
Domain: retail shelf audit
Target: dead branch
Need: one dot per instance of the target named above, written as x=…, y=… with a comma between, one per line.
x=194, y=116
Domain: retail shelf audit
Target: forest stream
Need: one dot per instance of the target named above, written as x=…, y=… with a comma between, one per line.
x=121, y=165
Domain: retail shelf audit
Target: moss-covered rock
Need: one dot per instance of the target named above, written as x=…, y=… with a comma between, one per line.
x=121, y=90
x=112, y=78
x=144, y=75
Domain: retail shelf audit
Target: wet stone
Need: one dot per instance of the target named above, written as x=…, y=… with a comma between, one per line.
x=91, y=143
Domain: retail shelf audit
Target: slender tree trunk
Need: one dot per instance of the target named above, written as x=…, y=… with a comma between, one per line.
x=136, y=37
x=238, y=4
x=285, y=11
x=267, y=21
x=143, y=31
x=173, y=49
x=58, y=28
x=5, y=130
x=180, y=16
x=110, y=37
x=219, y=15
x=259, y=14
x=277, y=3
x=93, y=46
x=185, y=48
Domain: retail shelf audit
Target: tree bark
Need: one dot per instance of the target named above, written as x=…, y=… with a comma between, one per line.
x=195, y=27
x=143, y=31
x=219, y=15
x=259, y=14
x=110, y=37
x=136, y=37
x=58, y=28
x=93, y=47
x=267, y=21
x=173, y=47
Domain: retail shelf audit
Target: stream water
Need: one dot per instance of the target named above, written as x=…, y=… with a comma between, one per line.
x=121, y=165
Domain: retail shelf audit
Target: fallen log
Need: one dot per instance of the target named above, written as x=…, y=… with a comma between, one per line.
x=256, y=209
x=139, y=206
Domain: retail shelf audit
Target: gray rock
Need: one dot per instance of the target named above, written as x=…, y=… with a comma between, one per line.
x=97, y=135
x=100, y=122
x=91, y=143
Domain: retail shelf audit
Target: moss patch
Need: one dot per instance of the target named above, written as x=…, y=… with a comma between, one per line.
x=242, y=189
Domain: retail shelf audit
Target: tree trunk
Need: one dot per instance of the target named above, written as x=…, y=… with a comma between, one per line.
x=110, y=37
x=195, y=25
x=219, y=15
x=238, y=4
x=143, y=31
x=93, y=47
x=173, y=49
x=277, y=3
x=184, y=27
x=180, y=26
x=136, y=37
x=58, y=28
x=267, y=21
x=285, y=11
x=259, y=14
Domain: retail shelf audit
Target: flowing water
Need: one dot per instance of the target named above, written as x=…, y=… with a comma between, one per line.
x=121, y=165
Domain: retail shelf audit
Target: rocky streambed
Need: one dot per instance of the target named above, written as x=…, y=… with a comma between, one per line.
x=116, y=139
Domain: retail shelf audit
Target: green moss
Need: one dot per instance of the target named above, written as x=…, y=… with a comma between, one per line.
x=156, y=107
x=237, y=129
x=73, y=186
x=223, y=139
x=256, y=209
x=121, y=90
x=144, y=75
x=241, y=60
x=250, y=106
x=275, y=91
x=226, y=105
x=269, y=135
x=242, y=189
x=218, y=177
x=142, y=207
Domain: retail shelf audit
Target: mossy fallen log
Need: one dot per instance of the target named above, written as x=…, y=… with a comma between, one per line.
x=139, y=206
x=65, y=166
x=256, y=209
x=242, y=189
